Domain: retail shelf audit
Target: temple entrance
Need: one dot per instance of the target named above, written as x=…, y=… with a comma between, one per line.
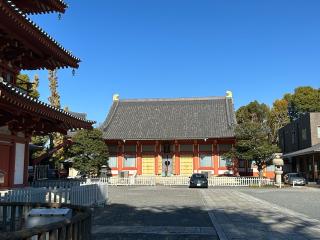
x=167, y=165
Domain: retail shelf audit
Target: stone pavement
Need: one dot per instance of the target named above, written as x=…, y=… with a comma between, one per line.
x=153, y=213
x=237, y=215
x=176, y=213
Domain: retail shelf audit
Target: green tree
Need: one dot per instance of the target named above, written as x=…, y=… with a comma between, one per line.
x=23, y=82
x=278, y=117
x=54, y=98
x=253, y=112
x=252, y=144
x=304, y=99
x=253, y=135
x=35, y=85
x=88, y=151
x=39, y=141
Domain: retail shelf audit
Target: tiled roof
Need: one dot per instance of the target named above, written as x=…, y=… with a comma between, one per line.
x=37, y=30
x=42, y=6
x=306, y=151
x=165, y=119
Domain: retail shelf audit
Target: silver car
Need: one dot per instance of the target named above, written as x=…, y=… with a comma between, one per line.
x=294, y=178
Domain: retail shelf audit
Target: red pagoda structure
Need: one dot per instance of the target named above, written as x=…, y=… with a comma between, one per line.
x=25, y=46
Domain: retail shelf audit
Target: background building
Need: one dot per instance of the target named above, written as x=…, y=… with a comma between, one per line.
x=300, y=144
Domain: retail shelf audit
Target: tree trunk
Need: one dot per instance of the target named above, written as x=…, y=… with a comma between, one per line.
x=260, y=169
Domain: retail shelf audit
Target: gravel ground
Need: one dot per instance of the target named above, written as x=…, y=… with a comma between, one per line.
x=300, y=199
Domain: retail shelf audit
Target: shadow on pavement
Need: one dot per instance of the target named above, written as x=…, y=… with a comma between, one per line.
x=121, y=221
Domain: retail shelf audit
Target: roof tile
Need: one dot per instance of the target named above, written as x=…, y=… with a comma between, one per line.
x=185, y=118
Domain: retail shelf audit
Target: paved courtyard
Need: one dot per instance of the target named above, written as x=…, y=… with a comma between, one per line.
x=227, y=213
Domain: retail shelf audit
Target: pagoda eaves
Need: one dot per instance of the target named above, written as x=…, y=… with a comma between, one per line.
x=40, y=6
x=30, y=46
x=24, y=113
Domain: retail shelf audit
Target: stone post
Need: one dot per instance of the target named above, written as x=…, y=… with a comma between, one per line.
x=278, y=162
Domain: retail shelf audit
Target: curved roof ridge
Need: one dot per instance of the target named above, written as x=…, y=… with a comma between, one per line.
x=172, y=99
x=109, y=118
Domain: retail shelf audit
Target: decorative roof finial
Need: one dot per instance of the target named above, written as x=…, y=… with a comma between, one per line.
x=228, y=94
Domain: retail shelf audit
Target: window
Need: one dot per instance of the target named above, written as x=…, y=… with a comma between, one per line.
x=205, y=160
x=130, y=148
x=304, y=134
x=148, y=148
x=224, y=147
x=318, y=131
x=225, y=162
x=205, y=148
x=129, y=161
x=167, y=148
x=113, y=148
x=112, y=162
x=186, y=148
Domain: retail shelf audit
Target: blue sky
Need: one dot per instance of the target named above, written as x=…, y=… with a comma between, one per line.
x=184, y=48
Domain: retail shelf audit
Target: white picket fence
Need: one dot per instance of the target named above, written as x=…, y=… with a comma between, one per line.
x=59, y=183
x=83, y=195
x=183, y=181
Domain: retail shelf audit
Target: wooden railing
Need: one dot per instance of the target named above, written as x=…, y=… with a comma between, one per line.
x=14, y=215
x=184, y=181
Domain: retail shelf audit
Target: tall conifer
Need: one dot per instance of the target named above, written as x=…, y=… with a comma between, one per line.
x=54, y=98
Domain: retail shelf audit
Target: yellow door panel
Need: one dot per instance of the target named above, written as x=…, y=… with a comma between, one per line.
x=148, y=165
x=186, y=165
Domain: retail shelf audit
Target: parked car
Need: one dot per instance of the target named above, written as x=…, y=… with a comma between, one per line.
x=80, y=175
x=226, y=175
x=295, y=178
x=198, y=180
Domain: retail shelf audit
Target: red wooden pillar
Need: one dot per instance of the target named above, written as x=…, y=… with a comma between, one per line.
x=215, y=157
x=177, y=159
x=5, y=157
x=157, y=150
x=120, y=156
x=195, y=157
x=139, y=159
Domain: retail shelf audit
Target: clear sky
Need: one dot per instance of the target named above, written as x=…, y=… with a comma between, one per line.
x=184, y=48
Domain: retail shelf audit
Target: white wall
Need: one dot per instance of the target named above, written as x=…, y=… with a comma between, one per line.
x=19, y=164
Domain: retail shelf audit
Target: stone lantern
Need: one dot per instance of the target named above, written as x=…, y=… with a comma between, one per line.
x=278, y=162
x=104, y=171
